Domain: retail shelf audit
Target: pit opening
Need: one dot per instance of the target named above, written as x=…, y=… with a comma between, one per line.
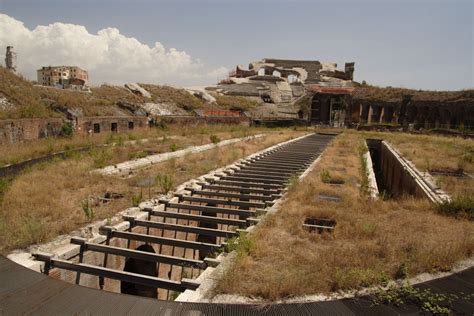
x=319, y=225
x=394, y=176
x=329, y=198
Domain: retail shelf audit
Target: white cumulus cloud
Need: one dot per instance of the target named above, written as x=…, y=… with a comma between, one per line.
x=109, y=56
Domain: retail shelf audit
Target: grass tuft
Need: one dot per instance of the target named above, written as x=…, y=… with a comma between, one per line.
x=460, y=206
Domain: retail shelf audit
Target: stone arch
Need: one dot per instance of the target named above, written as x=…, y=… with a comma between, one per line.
x=140, y=267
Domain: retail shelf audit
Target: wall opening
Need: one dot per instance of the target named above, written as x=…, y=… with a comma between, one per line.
x=140, y=267
x=130, y=125
x=204, y=238
x=96, y=128
x=319, y=225
x=113, y=127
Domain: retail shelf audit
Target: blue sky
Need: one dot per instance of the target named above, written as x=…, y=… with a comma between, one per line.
x=415, y=44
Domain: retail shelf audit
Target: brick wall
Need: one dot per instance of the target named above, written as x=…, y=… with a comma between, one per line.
x=101, y=124
x=14, y=131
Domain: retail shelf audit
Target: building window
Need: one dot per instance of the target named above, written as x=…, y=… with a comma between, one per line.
x=130, y=125
x=113, y=127
x=96, y=128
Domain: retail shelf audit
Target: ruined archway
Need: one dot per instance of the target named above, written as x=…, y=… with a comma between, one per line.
x=140, y=267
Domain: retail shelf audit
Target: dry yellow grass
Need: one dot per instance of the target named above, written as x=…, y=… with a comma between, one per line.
x=374, y=241
x=46, y=201
x=14, y=153
x=195, y=165
x=21, y=94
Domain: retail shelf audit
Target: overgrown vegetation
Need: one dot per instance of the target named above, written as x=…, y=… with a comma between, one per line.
x=425, y=299
x=214, y=139
x=27, y=217
x=165, y=182
x=235, y=102
x=137, y=198
x=87, y=208
x=390, y=93
x=24, y=98
x=243, y=244
x=459, y=206
x=429, y=152
x=143, y=140
x=326, y=177
x=375, y=241
x=178, y=97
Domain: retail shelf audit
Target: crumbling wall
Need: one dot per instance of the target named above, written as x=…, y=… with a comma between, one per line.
x=101, y=124
x=422, y=109
x=18, y=130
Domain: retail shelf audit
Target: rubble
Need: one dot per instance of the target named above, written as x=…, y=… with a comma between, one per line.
x=135, y=88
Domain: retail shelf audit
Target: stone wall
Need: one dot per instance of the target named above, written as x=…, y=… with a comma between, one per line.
x=397, y=176
x=18, y=130
x=420, y=113
x=101, y=124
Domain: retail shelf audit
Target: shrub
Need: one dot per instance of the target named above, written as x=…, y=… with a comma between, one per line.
x=242, y=244
x=292, y=183
x=5, y=183
x=101, y=157
x=165, y=182
x=173, y=147
x=462, y=206
x=402, y=272
x=67, y=130
x=138, y=154
x=137, y=199
x=87, y=209
x=214, y=139
x=325, y=176
x=434, y=303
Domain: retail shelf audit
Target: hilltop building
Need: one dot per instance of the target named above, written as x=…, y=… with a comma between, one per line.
x=63, y=76
x=10, y=59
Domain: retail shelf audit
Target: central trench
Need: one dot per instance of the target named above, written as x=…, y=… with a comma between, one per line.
x=160, y=251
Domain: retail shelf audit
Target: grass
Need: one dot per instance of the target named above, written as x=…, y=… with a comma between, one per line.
x=235, y=102
x=433, y=303
x=391, y=93
x=21, y=93
x=374, y=241
x=460, y=206
x=27, y=216
x=34, y=101
x=179, y=97
x=14, y=153
x=191, y=166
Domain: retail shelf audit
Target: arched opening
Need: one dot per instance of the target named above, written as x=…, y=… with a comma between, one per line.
x=140, y=267
x=292, y=78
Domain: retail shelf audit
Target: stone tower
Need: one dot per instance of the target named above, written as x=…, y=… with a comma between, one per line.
x=10, y=59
